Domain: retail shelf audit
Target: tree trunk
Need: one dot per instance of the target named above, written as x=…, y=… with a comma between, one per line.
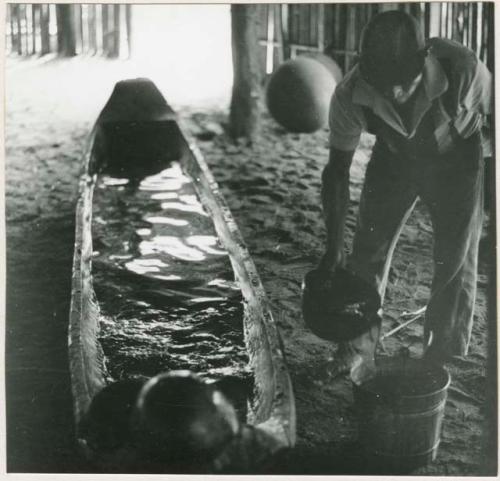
x=66, y=39
x=246, y=96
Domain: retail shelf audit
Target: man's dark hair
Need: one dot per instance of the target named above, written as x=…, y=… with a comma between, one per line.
x=392, y=50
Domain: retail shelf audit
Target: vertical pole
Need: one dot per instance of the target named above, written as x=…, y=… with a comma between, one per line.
x=128, y=16
x=246, y=95
x=116, y=30
x=79, y=8
x=490, y=60
x=285, y=34
x=12, y=16
x=278, y=57
x=351, y=36
x=449, y=15
x=270, y=39
x=313, y=25
x=27, y=29
x=66, y=42
x=12, y=19
x=92, y=29
x=474, y=28
x=44, y=30
x=105, y=31
x=34, y=30
x=8, y=30
x=321, y=27
x=19, y=30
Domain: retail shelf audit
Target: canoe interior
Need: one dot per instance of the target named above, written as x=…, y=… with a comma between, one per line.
x=138, y=126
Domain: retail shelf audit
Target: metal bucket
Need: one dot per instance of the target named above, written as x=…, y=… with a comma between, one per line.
x=401, y=408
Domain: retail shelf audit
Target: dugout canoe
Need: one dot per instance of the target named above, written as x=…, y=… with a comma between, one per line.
x=135, y=120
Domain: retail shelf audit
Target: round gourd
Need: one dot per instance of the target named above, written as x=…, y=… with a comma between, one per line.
x=299, y=92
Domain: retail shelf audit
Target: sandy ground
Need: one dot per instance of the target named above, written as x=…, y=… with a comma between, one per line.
x=272, y=189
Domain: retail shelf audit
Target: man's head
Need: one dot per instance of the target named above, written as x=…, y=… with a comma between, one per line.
x=393, y=54
x=181, y=419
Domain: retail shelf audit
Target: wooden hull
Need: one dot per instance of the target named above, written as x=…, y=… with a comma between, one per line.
x=137, y=108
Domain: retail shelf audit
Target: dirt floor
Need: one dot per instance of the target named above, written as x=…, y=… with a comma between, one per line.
x=272, y=188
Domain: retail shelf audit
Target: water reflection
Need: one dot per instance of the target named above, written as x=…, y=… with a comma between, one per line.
x=164, y=283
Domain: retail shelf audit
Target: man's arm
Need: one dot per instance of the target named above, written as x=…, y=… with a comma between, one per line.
x=335, y=200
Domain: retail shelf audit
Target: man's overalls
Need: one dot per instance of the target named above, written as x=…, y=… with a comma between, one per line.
x=450, y=183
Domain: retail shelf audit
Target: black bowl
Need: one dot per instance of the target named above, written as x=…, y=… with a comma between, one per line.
x=339, y=306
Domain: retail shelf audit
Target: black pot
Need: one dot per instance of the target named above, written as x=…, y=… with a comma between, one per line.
x=339, y=306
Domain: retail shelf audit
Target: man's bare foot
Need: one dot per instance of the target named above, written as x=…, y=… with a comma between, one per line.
x=356, y=357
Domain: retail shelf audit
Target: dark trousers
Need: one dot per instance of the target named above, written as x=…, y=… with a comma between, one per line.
x=451, y=186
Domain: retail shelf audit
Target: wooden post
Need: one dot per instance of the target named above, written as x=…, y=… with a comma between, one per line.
x=19, y=31
x=66, y=41
x=490, y=59
x=44, y=30
x=105, y=29
x=279, y=52
x=116, y=30
x=26, y=36
x=8, y=38
x=246, y=95
x=474, y=27
x=128, y=17
x=434, y=13
x=350, y=36
x=12, y=19
x=77, y=21
x=92, y=29
x=34, y=29
x=270, y=40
